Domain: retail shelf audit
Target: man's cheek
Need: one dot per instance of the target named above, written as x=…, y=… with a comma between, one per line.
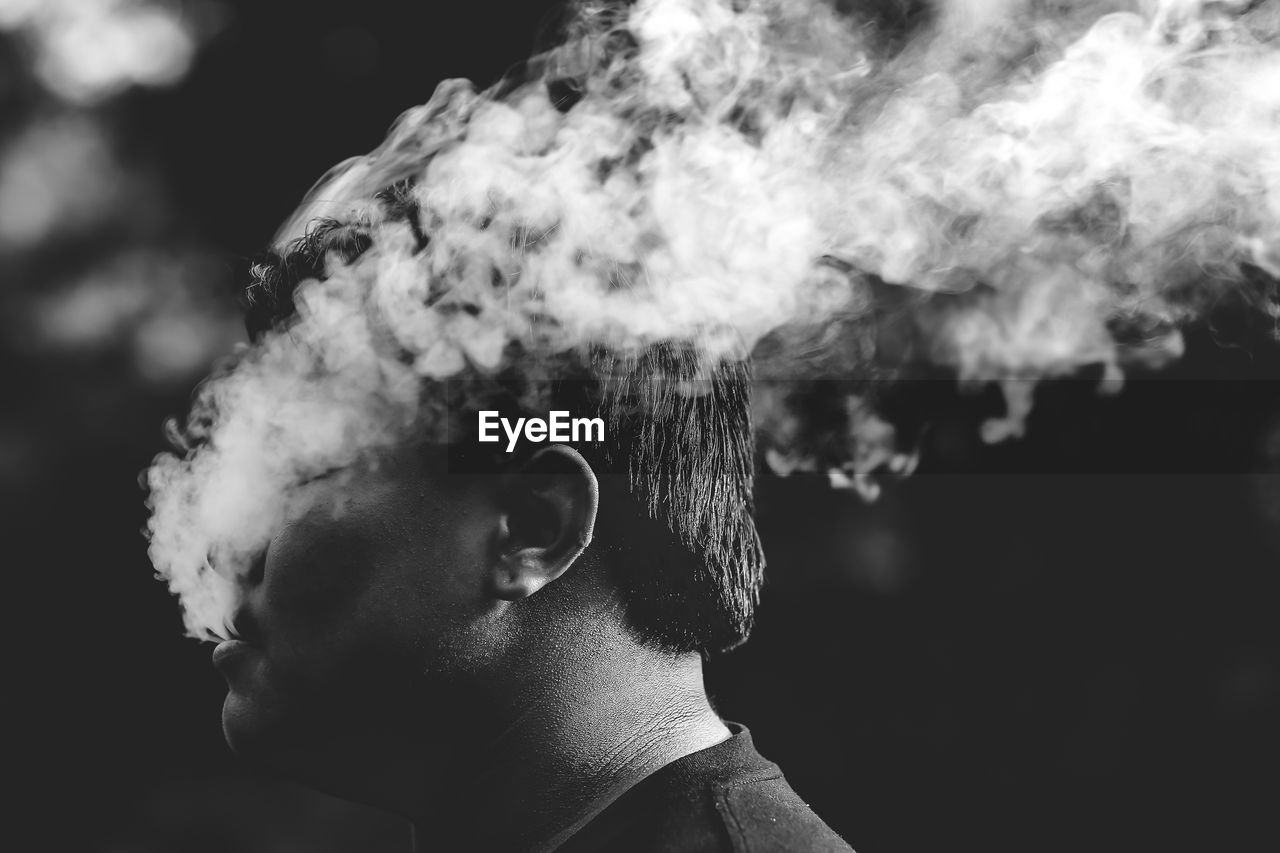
x=315, y=583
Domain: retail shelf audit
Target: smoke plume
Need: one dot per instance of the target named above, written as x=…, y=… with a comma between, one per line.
x=1009, y=190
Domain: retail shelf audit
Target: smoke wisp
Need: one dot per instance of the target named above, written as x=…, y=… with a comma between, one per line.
x=1010, y=190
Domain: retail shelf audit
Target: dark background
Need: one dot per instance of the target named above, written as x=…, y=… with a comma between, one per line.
x=1061, y=643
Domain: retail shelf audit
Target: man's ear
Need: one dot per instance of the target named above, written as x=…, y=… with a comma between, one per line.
x=549, y=515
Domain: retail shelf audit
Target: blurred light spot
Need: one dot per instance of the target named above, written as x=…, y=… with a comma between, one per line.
x=93, y=312
x=88, y=50
x=155, y=304
x=181, y=341
x=59, y=175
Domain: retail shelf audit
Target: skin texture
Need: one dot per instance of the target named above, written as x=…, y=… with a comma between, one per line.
x=447, y=647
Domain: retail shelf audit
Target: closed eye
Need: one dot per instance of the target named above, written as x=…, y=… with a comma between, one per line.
x=323, y=475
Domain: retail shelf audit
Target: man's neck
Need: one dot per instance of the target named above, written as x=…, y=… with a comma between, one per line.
x=575, y=745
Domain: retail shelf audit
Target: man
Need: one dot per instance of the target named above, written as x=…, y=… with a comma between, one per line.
x=506, y=649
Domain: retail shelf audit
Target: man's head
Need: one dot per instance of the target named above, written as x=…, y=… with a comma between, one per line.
x=426, y=580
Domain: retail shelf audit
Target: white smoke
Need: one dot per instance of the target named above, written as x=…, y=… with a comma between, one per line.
x=1028, y=175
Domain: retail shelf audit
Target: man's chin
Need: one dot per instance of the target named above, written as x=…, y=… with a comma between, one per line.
x=264, y=736
x=257, y=720
x=302, y=749
x=253, y=732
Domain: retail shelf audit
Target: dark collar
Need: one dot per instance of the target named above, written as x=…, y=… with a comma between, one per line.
x=677, y=786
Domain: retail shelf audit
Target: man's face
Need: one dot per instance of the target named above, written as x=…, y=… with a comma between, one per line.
x=371, y=584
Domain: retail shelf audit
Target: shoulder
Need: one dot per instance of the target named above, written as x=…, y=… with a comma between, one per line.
x=724, y=799
x=762, y=815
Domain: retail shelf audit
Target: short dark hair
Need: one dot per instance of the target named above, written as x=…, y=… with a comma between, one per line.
x=690, y=574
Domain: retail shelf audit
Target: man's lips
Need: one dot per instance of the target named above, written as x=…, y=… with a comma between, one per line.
x=229, y=651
